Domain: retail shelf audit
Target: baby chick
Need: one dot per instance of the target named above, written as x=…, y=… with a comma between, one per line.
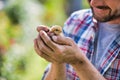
x=57, y=30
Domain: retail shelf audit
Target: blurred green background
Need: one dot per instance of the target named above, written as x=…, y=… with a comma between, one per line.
x=18, y=22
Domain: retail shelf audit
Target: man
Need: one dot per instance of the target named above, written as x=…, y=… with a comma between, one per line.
x=90, y=49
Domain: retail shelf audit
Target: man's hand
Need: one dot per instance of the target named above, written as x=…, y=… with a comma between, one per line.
x=59, y=49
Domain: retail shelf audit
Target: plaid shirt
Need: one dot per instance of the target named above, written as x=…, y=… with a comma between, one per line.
x=82, y=28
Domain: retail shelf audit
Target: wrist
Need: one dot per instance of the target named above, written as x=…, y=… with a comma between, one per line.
x=57, y=72
x=58, y=65
x=86, y=71
x=81, y=62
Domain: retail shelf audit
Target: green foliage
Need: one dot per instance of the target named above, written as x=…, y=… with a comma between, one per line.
x=18, y=61
x=8, y=31
x=54, y=12
x=15, y=10
x=85, y=4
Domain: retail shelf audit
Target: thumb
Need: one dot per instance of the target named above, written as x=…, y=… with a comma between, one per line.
x=42, y=27
x=62, y=40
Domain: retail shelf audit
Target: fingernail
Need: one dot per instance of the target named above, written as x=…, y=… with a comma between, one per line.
x=41, y=32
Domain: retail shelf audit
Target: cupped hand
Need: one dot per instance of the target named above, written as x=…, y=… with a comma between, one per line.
x=59, y=49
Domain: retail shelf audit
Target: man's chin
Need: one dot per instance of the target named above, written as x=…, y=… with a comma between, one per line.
x=103, y=18
x=106, y=19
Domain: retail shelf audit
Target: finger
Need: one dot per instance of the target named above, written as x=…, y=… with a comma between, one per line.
x=41, y=54
x=50, y=59
x=42, y=27
x=48, y=53
x=36, y=47
x=46, y=57
x=43, y=47
x=47, y=40
x=62, y=40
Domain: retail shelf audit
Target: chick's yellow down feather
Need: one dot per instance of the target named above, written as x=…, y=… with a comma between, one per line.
x=57, y=30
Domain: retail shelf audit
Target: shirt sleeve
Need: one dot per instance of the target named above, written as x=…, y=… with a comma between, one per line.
x=46, y=71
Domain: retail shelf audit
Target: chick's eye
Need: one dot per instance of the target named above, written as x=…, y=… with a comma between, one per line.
x=56, y=30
